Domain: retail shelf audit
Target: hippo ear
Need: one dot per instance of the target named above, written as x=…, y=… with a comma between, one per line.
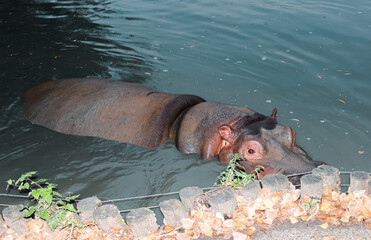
x=226, y=133
x=273, y=115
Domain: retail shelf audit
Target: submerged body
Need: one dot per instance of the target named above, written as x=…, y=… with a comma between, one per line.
x=143, y=116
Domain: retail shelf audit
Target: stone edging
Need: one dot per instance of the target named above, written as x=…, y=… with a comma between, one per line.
x=143, y=221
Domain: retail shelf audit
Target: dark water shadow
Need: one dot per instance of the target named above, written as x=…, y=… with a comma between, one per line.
x=43, y=40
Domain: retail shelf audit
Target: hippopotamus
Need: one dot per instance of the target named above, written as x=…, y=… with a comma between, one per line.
x=139, y=115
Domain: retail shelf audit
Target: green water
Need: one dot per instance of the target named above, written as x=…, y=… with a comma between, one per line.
x=302, y=57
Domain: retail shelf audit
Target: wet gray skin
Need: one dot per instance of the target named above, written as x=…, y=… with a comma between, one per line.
x=275, y=150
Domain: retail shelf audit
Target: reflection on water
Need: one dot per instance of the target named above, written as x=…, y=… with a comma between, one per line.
x=308, y=59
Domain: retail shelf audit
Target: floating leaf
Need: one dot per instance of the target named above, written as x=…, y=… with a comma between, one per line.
x=342, y=101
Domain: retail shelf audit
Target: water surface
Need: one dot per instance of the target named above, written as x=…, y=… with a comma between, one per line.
x=310, y=59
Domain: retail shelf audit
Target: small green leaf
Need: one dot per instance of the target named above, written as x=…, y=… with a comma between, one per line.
x=21, y=179
x=26, y=186
x=58, y=218
x=52, y=185
x=48, y=199
x=44, y=214
x=60, y=202
x=9, y=183
x=29, y=212
x=69, y=207
x=20, y=187
x=56, y=194
x=24, y=207
x=29, y=174
x=46, y=194
x=53, y=223
x=42, y=180
x=36, y=193
x=68, y=199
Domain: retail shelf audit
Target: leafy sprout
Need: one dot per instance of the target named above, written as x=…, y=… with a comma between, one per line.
x=235, y=176
x=310, y=204
x=46, y=203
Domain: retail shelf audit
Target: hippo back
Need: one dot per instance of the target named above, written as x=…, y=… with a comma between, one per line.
x=115, y=110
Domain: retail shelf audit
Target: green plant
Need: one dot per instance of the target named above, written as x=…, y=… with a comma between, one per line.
x=46, y=203
x=310, y=203
x=235, y=176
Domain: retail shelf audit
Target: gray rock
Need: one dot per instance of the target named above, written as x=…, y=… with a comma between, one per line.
x=359, y=181
x=87, y=206
x=368, y=191
x=141, y=221
x=250, y=190
x=222, y=201
x=311, y=186
x=188, y=195
x=330, y=176
x=174, y=211
x=14, y=219
x=108, y=218
x=276, y=182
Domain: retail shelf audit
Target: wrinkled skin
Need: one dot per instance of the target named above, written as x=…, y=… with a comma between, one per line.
x=215, y=129
x=139, y=115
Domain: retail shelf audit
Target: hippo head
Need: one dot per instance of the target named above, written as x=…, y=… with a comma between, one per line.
x=259, y=140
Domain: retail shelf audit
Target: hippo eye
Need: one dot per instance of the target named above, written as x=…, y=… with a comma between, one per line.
x=251, y=151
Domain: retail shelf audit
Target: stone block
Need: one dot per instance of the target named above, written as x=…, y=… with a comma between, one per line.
x=188, y=196
x=14, y=219
x=359, y=181
x=141, y=221
x=276, y=182
x=250, y=190
x=330, y=176
x=87, y=206
x=368, y=191
x=311, y=186
x=174, y=211
x=108, y=218
x=223, y=201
